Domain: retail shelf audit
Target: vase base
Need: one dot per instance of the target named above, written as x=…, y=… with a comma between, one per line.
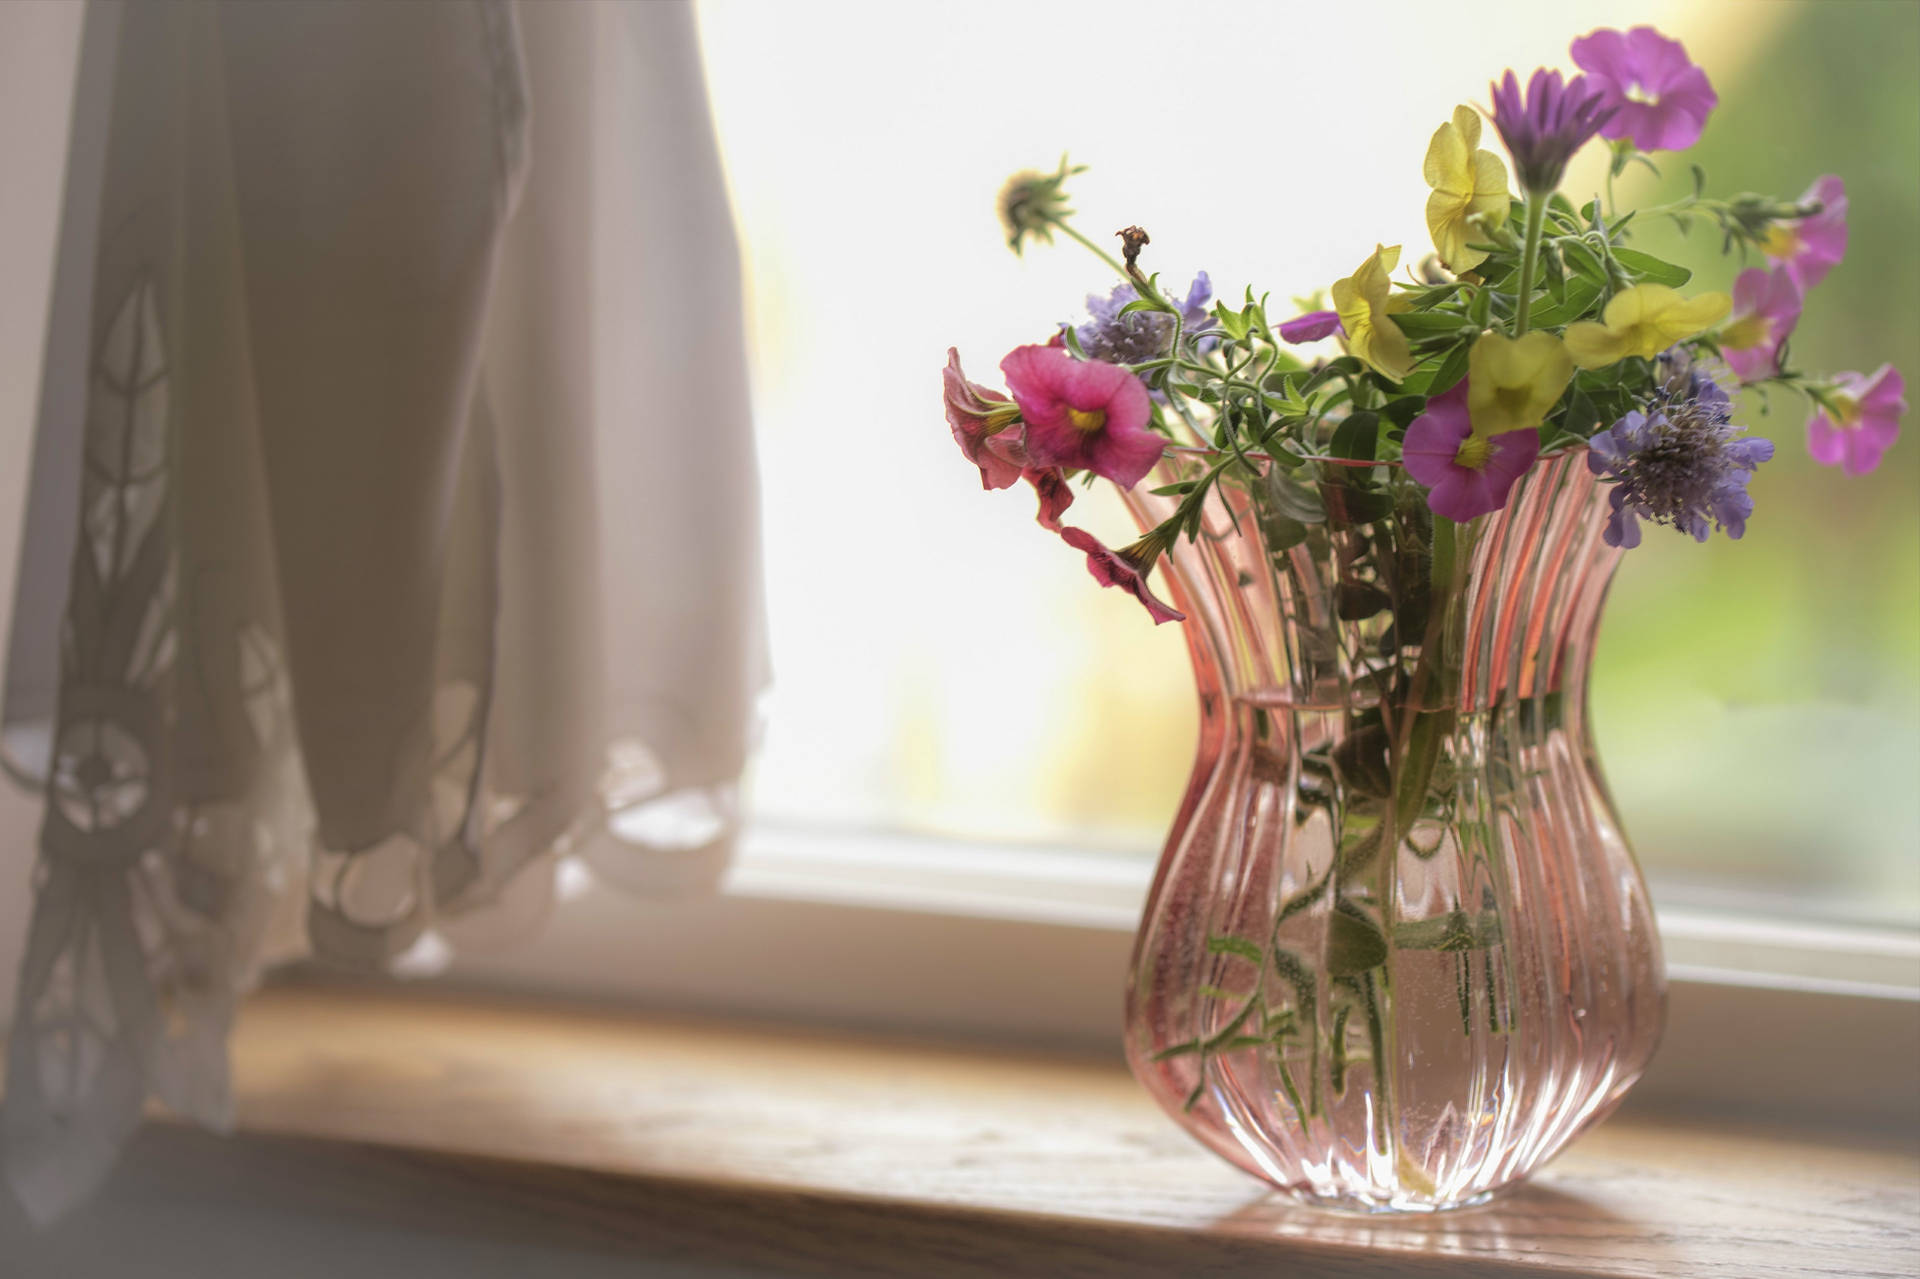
x=1398, y=1206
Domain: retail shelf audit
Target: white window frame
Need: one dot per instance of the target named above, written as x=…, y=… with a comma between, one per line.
x=1029, y=947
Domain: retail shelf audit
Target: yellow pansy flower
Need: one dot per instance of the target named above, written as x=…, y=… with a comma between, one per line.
x=1363, y=301
x=1467, y=182
x=1513, y=383
x=1644, y=321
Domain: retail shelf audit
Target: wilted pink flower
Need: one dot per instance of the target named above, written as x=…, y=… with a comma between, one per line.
x=1310, y=327
x=1813, y=246
x=1126, y=568
x=1866, y=420
x=1055, y=494
x=1082, y=414
x=1660, y=99
x=981, y=423
x=1766, y=306
x=1466, y=475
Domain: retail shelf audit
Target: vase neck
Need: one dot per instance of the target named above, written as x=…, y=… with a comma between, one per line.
x=1281, y=619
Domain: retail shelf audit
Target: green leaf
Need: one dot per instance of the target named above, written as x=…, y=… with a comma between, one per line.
x=1281, y=533
x=1361, y=758
x=1582, y=417
x=1581, y=295
x=1293, y=500
x=1480, y=310
x=1585, y=262
x=1402, y=411
x=1428, y=323
x=1357, y=437
x=1647, y=267
x=1454, y=931
x=1354, y=942
x=1357, y=601
x=1350, y=505
x=1232, y=322
x=1140, y=304
x=1451, y=370
x=1304, y=898
x=1224, y=944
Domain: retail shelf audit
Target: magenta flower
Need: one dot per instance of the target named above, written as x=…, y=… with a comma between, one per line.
x=1466, y=475
x=1766, y=306
x=1055, y=494
x=1310, y=327
x=1125, y=568
x=1082, y=414
x=981, y=423
x=1813, y=246
x=1660, y=99
x=1865, y=421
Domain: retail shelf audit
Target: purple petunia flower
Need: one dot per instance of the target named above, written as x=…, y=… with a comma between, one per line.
x=1813, y=246
x=1681, y=462
x=1141, y=335
x=1865, y=422
x=1466, y=475
x=1544, y=128
x=1766, y=306
x=1310, y=327
x=1660, y=99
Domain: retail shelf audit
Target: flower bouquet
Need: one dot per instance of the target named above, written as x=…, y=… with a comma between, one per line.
x=1397, y=952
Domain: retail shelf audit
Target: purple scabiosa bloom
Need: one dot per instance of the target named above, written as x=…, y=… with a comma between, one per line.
x=1766, y=306
x=1543, y=128
x=1141, y=335
x=1310, y=327
x=1466, y=475
x=1682, y=461
x=1863, y=424
x=1813, y=246
x=1660, y=100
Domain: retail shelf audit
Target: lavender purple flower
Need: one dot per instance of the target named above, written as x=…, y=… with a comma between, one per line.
x=1141, y=335
x=1681, y=462
x=1544, y=128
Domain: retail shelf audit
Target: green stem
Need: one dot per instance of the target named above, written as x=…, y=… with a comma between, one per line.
x=1536, y=219
x=1068, y=231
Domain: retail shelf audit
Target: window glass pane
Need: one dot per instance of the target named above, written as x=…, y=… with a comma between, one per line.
x=944, y=665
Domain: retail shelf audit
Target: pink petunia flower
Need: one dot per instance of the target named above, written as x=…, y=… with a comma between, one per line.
x=1466, y=475
x=1661, y=100
x=981, y=423
x=1082, y=414
x=1766, y=306
x=1126, y=568
x=1813, y=246
x=1866, y=424
x=1050, y=483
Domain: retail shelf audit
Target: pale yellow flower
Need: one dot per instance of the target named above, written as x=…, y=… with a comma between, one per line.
x=1468, y=183
x=1513, y=383
x=1644, y=321
x=1364, y=301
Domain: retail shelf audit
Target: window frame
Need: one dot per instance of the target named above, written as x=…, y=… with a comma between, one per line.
x=1029, y=947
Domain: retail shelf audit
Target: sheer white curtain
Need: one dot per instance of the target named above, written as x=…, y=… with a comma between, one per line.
x=389, y=517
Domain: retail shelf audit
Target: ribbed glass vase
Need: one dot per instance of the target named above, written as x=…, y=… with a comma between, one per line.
x=1397, y=952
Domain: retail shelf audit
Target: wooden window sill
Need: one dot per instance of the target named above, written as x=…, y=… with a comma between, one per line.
x=479, y=1138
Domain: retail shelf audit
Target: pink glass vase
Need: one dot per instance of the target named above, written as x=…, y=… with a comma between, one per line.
x=1397, y=952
